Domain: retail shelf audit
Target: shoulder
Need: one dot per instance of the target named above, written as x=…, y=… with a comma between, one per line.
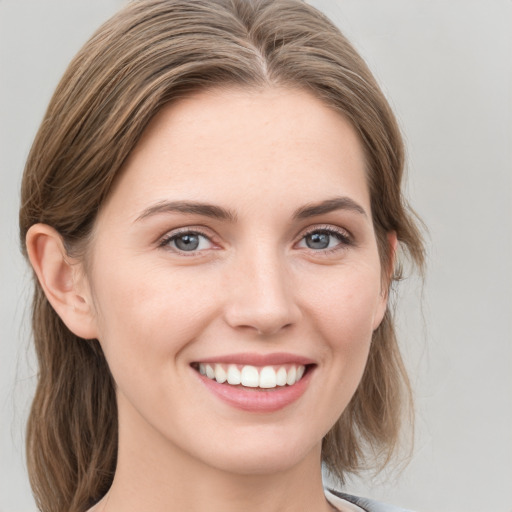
x=367, y=505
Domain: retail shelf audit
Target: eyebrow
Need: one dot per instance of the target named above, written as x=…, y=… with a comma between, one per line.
x=204, y=209
x=327, y=206
x=217, y=212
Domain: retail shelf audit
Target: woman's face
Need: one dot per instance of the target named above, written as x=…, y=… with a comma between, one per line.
x=238, y=241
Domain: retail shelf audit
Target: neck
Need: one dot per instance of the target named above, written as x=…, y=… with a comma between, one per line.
x=164, y=479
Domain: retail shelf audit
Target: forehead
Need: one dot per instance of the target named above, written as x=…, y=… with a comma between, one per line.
x=242, y=145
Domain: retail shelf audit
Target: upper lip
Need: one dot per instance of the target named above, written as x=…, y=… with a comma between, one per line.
x=254, y=359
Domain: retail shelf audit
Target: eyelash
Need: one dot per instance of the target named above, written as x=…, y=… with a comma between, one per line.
x=341, y=235
x=174, y=235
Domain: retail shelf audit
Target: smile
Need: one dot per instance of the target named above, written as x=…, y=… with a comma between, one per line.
x=256, y=383
x=265, y=377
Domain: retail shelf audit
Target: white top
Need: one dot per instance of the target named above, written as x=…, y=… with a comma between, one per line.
x=344, y=505
x=341, y=504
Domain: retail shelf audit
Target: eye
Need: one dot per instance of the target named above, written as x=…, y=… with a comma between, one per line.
x=187, y=241
x=324, y=239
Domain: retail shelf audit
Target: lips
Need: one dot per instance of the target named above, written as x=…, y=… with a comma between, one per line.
x=258, y=383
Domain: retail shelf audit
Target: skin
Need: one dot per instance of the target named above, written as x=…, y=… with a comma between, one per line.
x=253, y=285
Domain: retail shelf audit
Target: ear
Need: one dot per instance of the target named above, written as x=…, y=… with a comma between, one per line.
x=62, y=280
x=387, y=278
x=392, y=240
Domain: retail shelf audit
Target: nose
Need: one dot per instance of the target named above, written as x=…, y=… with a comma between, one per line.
x=261, y=296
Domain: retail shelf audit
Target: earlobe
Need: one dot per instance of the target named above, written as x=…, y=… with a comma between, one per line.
x=61, y=279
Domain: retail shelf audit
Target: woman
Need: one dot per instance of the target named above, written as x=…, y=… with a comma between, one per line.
x=212, y=209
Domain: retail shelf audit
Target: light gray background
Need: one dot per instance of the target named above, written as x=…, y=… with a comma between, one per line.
x=446, y=66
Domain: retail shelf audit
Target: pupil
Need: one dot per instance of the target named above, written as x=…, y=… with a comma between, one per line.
x=318, y=241
x=187, y=242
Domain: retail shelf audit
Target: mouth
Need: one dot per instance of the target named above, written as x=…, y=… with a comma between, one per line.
x=256, y=384
x=255, y=377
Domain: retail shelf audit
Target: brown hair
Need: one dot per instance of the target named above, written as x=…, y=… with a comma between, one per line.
x=153, y=52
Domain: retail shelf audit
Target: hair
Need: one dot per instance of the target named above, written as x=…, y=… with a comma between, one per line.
x=149, y=54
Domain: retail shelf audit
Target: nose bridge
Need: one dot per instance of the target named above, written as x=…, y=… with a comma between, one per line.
x=261, y=295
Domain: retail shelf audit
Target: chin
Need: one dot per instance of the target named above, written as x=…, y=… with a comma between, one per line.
x=264, y=455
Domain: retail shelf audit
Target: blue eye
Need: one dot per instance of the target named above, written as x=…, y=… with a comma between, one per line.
x=324, y=239
x=188, y=241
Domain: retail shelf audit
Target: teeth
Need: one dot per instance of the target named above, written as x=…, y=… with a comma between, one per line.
x=292, y=375
x=281, y=376
x=233, y=375
x=250, y=377
x=210, y=372
x=268, y=378
x=220, y=374
x=253, y=377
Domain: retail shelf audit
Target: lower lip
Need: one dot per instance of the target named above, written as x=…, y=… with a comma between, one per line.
x=257, y=399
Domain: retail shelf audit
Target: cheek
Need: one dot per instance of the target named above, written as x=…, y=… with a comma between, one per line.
x=347, y=306
x=343, y=311
x=148, y=314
